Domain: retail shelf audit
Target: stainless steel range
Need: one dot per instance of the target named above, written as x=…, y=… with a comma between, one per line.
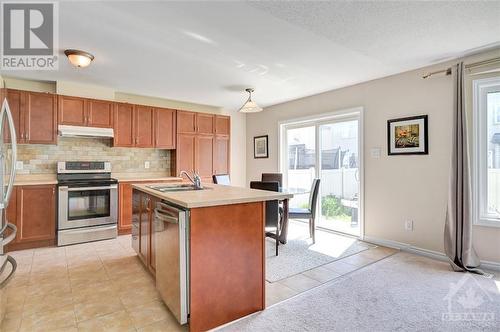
x=87, y=203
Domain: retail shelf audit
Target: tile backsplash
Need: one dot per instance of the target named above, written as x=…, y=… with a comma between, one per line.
x=42, y=159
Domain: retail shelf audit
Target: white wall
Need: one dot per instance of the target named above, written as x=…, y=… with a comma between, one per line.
x=396, y=187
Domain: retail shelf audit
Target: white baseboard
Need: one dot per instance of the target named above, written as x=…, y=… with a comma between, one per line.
x=424, y=252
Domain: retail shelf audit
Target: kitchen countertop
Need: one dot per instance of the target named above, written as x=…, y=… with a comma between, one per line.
x=34, y=179
x=213, y=196
x=130, y=177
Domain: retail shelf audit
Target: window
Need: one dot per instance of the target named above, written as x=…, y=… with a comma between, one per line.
x=486, y=180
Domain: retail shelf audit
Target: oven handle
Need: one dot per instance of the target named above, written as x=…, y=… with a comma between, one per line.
x=65, y=188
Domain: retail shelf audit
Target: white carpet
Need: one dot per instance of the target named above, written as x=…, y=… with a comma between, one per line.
x=299, y=254
x=403, y=292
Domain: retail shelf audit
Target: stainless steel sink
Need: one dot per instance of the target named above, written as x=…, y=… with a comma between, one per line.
x=175, y=187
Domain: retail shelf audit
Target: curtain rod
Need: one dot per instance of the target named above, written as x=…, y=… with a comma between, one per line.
x=447, y=71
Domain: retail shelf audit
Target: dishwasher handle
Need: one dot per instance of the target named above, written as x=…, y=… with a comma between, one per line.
x=165, y=217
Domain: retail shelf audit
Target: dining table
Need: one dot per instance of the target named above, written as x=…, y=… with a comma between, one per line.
x=286, y=208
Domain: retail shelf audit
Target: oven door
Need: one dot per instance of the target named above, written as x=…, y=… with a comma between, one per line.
x=87, y=206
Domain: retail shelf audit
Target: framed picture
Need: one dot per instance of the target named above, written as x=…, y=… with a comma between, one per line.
x=260, y=147
x=407, y=135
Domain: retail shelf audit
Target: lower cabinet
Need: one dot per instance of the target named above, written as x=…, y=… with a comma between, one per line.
x=143, y=236
x=33, y=210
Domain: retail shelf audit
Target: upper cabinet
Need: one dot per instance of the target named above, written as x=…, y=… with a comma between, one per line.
x=205, y=123
x=222, y=125
x=186, y=122
x=165, y=123
x=76, y=111
x=144, y=126
x=100, y=113
x=34, y=115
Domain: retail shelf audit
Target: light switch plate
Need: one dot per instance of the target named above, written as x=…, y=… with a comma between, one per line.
x=375, y=152
x=409, y=225
x=146, y=164
x=19, y=165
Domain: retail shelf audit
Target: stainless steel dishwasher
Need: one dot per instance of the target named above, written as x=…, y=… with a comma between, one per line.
x=172, y=268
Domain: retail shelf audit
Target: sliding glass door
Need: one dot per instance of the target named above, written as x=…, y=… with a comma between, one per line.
x=327, y=149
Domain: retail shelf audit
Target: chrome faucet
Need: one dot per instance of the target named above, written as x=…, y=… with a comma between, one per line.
x=196, y=180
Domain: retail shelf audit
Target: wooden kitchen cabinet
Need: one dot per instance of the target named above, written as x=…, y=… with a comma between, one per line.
x=165, y=128
x=144, y=245
x=124, y=135
x=34, y=115
x=100, y=113
x=222, y=125
x=204, y=156
x=205, y=123
x=186, y=122
x=185, y=153
x=77, y=111
x=72, y=111
x=33, y=210
x=125, y=211
x=144, y=127
x=221, y=155
x=40, y=118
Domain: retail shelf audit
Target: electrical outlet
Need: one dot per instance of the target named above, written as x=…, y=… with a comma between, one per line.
x=146, y=164
x=409, y=225
x=375, y=152
x=19, y=165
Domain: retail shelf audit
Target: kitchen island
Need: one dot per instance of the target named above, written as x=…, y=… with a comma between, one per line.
x=219, y=273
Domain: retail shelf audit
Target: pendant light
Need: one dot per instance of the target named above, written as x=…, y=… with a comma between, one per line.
x=79, y=58
x=250, y=106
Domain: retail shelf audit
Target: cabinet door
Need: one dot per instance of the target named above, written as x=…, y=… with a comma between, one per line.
x=186, y=122
x=144, y=233
x=72, y=111
x=185, y=153
x=123, y=125
x=221, y=155
x=124, y=208
x=204, y=156
x=165, y=128
x=100, y=113
x=40, y=118
x=144, y=129
x=36, y=219
x=11, y=218
x=16, y=100
x=205, y=123
x=222, y=125
x=152, y=242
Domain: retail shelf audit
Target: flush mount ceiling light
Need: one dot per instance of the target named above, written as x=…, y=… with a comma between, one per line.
x=250, y=106
x=79, y=58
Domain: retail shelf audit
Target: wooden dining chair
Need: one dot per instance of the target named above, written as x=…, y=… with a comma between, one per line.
x=273, y=177
x=221, y=179
x=273, y=216
x=308, y=213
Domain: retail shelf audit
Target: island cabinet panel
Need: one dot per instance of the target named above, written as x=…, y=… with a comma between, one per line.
x=125, y=213
x=165, y=132
x=204, y=156
x=186, y=122
x=226, y=252
x=222, y=125
x=144, y=228
x=221, y=155
x=124, y=125
x=185, y=153
x=33, y=210
x=100, y=113
x=144, y=127
x=40, y=118
x=72, y=111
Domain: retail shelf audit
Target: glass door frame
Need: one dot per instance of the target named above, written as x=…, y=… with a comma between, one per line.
x=356, y=113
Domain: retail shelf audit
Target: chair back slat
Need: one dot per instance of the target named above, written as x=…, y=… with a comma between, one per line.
x=221, y=179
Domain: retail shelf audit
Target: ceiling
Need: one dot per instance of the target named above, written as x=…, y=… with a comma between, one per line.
x=209, y=52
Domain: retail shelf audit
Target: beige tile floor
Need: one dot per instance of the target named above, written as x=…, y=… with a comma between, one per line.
x=102, y=286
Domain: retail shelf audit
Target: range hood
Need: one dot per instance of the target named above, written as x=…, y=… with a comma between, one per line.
x=77, y=131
